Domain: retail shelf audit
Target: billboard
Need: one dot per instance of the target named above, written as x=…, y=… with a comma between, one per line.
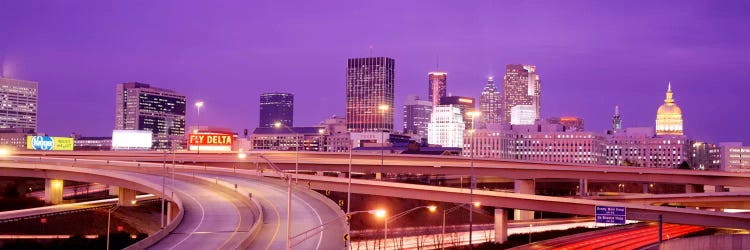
x=49, y=143
x=131, y=139
x=211, y=141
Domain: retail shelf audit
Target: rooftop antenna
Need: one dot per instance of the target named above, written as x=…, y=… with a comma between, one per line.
x=370, y=50
x=437, y=62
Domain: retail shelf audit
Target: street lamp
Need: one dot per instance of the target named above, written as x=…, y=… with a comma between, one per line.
x=472, y=181
x=450, y=210
x=198, y=105
x=383, y=109
x=321, y=133
x=288, y=198
x=398, y=216
x=379, y=213
x=278, y=124
x=109, y=219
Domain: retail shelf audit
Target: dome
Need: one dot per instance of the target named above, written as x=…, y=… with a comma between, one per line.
x=669, y=109
x=669, y=116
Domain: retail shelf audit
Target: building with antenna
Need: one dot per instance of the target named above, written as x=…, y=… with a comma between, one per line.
x=369, y=94
x=490, y=104
x=437, y=86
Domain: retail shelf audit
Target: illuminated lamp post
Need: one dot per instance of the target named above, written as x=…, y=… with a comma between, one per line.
x=296, y=147
x=383, y=110
x=198, y=105
x=398, y=216
x=472, y=181
x=450, y=210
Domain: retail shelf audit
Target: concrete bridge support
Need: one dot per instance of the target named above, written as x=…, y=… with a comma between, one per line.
x=379, y=176
x=501, y=225
x=583, y=187
x=693, y=188
x=126, y=197
x=53, y=191
x=524, y=187
x=714, y=188
x=645, y=188
x=342, y=174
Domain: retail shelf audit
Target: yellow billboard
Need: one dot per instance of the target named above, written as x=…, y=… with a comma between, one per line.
x=49, y=143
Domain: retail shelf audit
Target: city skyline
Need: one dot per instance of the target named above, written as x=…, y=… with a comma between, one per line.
x=618, y=66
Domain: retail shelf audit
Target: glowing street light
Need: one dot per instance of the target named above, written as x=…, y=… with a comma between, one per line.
x=278, y=124
x=472, y=182
x=450, y=210
x=398, y=216
x=383, y=110
x=198, y=105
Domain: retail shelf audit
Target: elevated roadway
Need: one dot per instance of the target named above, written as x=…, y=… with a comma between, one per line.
x=208, y=218
x=439, y=165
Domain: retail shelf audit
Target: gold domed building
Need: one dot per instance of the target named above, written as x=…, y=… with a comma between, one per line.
x=669, y=116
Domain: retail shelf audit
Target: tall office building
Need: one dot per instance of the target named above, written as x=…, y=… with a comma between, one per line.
x=669, y=116
x=276, y=107
x=464, y=104
x=616, y=120
x=18, y=104
x=369, y=86
x=416, y=115
x=521, y=86
x=161, y=111
x=437, y=88
x=568, y=123
x=446, y=126
x=490, y=104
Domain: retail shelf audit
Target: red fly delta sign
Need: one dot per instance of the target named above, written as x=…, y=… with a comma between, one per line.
x=211, y=141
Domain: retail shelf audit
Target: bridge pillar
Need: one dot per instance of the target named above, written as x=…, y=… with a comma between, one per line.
x=113, y=190
x=693, y=188
x=171, y=211
x=501, y=225
x=342, y=174
x=523, y=187
x=126, y=197
x=378, y=176
x=645, y=188
x=583, y=187
x=53, y=191
x=320, y=173
x=714, y=188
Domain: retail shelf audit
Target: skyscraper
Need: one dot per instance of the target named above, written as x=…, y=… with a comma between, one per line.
x=446, y=126
x=416, y=115
x=616, y=120
x=490, y=104
x=276, y=107
x=437, y=86
x=669, y=116
x=369, y=94
x=18, y=104
x=464, y=104
x=138, y=106
x=521, y=86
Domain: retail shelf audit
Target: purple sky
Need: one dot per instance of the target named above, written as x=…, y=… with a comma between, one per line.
x=591, y=55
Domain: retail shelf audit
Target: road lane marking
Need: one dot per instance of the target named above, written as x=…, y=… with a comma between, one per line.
x=239, y=222
x=203, y=216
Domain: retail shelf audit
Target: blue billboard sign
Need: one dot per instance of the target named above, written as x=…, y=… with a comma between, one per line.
x=612, y=215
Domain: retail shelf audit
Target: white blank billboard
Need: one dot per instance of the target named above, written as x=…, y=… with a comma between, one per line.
x=131, y=139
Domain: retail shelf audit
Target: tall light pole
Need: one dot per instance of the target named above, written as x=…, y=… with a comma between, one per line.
x=198, y=105
x=109, y=220
x=288, y=180
x=296, y=147
x=447, y=211
x=349, y=193
x=383, y=110
x=398, y=216
x=472, y=181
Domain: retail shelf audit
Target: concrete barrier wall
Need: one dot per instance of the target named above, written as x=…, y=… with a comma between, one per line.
x=726, y=241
